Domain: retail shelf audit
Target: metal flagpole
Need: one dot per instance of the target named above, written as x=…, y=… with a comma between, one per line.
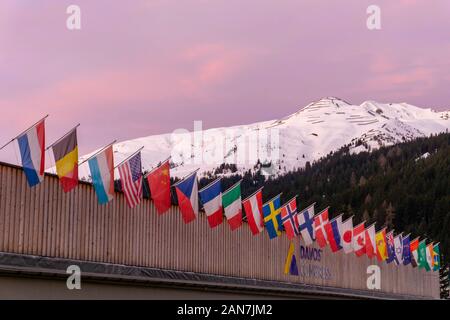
x=209, y=184
x=69, y=132
x=272, y=199
x=253, y=194
x=23, y=132
x=136, y=152
x=190, y=174
x=287, y=202
x=162, y=162
x=102, y=149
x=229, y=189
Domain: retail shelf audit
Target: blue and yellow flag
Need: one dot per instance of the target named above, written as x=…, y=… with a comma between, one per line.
x=272, y=217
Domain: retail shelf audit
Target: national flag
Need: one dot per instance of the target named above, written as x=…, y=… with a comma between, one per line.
x=422, y=259
x=333, y=235
x=102, y=172
x=390, y=244
x=371, y=244
x=398, y=246
x=231, y=201
x=359, y=236
x=380, y=239
x=272, y=217
x=289, y=218
x=159, y=183
x=346, y=232
x=253, y=210
x=187, y=195
x=211, y=198
x=130, y=173
x=437, y=257
x=306, y=224
x=430, y=256
x=32, y=151
x=414, y=248
x=320, y=220
x=66, y=158
x=406, y=253
x=290, y=266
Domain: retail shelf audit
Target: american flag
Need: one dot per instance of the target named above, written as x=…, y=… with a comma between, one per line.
x=131, y=179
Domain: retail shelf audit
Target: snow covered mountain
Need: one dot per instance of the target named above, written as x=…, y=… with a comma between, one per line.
x=288, y=143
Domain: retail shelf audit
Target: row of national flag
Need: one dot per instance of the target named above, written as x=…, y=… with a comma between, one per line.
x=271, y=215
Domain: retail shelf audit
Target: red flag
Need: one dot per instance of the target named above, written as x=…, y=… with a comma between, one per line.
x=253, y=211
x=159, y=182
x=359, y=241
x=371, y=246
x=319, y=224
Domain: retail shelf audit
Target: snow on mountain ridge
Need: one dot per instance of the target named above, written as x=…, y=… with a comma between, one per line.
x=288, y=143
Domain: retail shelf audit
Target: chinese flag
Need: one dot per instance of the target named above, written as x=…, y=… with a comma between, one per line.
x=159, y=182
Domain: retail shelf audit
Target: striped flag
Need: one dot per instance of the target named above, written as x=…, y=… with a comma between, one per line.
x=102, y=172
x=32, y=152
x=66, y=158
x=131, y=179
x=333, y=234
x=253, y=211
x=211, y=197
x=231, y=201
x=187, y=194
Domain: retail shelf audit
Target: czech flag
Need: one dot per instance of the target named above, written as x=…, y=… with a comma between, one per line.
x=32, y=152
x=211, y=198
x=187, y=194
x=102, y=172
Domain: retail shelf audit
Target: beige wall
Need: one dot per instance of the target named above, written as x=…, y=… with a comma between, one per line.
x=44, y=221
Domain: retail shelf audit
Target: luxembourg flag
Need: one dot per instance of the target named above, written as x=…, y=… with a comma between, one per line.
x=211, y=198
x=102, y=172
x=187, y=194
x=32, y=145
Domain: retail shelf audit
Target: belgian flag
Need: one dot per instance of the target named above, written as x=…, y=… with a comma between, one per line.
x=66, y=158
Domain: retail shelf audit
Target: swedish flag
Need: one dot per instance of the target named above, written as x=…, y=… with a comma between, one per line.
x=272, y=217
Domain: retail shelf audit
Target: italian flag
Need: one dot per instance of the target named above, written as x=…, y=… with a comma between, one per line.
x=231, y=201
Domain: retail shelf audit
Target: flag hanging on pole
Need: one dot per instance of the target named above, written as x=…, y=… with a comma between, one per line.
x=231, y=201
x=130, y=173
x=187, y=194
x=253, y=210
x=406, y=253
x=359, y=243
x=32, y=152
x=289, y=218
x=398, y=246
x=272, y=218
x=320, y=220
x=430, y=256
x=333, y=234
x=381, y=245
x=346, y=232
x=159, y=183
x=371, y=245
x=102, y=172
x=414, y=248
x=306, y=224
x=211, y=197
x=391, y=256
x=422, y=259
x=437, y=257
x=66, y=158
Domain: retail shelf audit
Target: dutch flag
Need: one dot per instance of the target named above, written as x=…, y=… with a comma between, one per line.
x=32, y=145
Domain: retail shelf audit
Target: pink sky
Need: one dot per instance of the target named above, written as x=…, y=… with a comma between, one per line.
x=146, y=67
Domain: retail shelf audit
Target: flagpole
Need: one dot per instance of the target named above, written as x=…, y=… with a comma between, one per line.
x=209, y=184
x=104, y=148
x=312, y=204
x=148, y=173
x=337, y=217
x=253, y=194
x=23, y=132
x=132, y=155
x=69, y=132
x=278, y=195
x=287, y=202
x=185, y=177
x=348, y=219
x=323, y=210
x=229, y=189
